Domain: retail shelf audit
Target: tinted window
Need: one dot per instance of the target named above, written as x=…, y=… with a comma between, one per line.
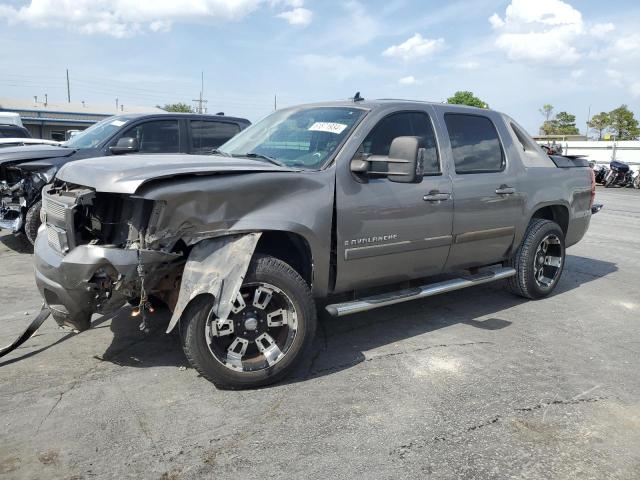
x=13, y=132
x=404, y=124
x=160, y=136
x=475, y=143
x=207, y=135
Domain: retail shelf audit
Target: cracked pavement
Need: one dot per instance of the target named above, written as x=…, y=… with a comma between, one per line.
x=472, y=384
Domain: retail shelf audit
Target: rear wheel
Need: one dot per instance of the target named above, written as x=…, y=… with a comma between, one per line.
x=636, y=181
x=539, y=260
x=271, y=325
x=32, y=222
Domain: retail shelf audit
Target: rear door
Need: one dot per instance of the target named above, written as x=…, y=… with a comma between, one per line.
x=488, y=205
x=386, y=231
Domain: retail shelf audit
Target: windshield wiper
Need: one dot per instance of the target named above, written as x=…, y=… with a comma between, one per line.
x=263, y=157
x=215, y=151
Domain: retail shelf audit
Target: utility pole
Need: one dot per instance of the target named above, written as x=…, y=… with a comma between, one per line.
x=201, y=102
x=68, y=89
x=275, y=101
x=116, y=104
x=588, y=120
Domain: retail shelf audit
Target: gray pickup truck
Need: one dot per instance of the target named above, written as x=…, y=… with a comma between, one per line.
x=348, y=205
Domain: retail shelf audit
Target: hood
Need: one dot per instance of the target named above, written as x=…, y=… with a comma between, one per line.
x=126, y=173
x=33, y=152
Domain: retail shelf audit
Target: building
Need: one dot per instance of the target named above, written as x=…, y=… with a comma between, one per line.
x=53, y=121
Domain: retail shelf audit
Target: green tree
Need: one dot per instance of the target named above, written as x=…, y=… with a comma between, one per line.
x=177, y=107
x=623, y=124
x=599, y=123
x=546, y=111
x=566, y=124
x=467, y=98
x=549, y=127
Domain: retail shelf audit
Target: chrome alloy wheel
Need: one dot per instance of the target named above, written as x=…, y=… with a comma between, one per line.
x=259, y=332
x=548, y=261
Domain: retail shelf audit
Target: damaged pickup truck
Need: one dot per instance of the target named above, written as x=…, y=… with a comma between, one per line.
x=25, y=170
x=356, y=205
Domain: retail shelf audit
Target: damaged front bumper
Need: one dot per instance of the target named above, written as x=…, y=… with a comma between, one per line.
x=92, y=278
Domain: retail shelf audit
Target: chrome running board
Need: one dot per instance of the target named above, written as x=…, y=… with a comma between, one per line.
x=382, y=300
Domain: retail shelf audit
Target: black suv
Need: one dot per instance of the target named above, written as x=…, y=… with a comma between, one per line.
x=25, y=170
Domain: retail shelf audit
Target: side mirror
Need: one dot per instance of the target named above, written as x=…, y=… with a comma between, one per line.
x=405, y=163
x=125, y=145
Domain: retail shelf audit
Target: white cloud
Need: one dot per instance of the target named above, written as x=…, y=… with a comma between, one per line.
x=297, y=16
x=539, y=30
x=410, y=80
x=577, y=73
x=125, y=18
x=415, y=47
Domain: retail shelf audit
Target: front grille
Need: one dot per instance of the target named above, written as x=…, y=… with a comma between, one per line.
x=54, y=209
x=56, y=238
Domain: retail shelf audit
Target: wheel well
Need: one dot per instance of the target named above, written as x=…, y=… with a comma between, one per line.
x=556, y=213
x=290, y=248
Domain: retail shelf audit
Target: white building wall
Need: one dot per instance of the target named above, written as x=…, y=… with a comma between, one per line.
x=627, y=151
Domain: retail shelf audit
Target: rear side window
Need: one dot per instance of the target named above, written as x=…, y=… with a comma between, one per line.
x=13, y=132
x=404, y=124
x=475, y=143
x=207, y=136
x=158, y=136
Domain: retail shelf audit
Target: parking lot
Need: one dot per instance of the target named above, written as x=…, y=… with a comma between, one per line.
x=472, y=384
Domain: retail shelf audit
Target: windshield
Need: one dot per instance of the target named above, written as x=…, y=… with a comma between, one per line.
x=96, y=133
x=303, y=137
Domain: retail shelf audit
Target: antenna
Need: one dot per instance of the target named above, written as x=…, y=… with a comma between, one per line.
x=358, y=98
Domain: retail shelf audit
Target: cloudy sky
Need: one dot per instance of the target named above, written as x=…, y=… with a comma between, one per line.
x=516, y=55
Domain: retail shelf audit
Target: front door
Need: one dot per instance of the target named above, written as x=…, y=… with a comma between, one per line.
x=388, y=232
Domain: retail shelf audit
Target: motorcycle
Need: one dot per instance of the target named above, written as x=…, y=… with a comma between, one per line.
x=600, y=172
x=617, y=174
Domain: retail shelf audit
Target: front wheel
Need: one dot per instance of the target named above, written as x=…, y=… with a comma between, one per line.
x=609, y=179
x=539, y=260
x=271, y=326
x=32, y=222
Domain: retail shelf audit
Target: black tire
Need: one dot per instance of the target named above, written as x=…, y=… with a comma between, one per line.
x=32, y=222
x=193, y=328
x=524, y=282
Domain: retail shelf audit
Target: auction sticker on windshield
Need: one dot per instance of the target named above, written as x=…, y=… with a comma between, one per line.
x=329, y=127
x=118, y=123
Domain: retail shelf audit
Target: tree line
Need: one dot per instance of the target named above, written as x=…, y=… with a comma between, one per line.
x=620, y=122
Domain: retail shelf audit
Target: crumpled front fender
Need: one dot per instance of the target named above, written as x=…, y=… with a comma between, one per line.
x=216, y=266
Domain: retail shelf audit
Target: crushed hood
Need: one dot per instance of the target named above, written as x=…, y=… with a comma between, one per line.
x=126, y=173
x=13, y=155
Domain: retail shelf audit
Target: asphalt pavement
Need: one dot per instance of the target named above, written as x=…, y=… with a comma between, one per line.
x=472, y=384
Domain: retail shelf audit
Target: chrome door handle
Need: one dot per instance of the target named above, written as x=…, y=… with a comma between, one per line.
x=505, y=190
x=436, y=197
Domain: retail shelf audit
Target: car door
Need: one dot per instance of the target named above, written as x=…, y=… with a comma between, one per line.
x=207, y=135
x=487, y=203
x=386, y=231
x=156, y=136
